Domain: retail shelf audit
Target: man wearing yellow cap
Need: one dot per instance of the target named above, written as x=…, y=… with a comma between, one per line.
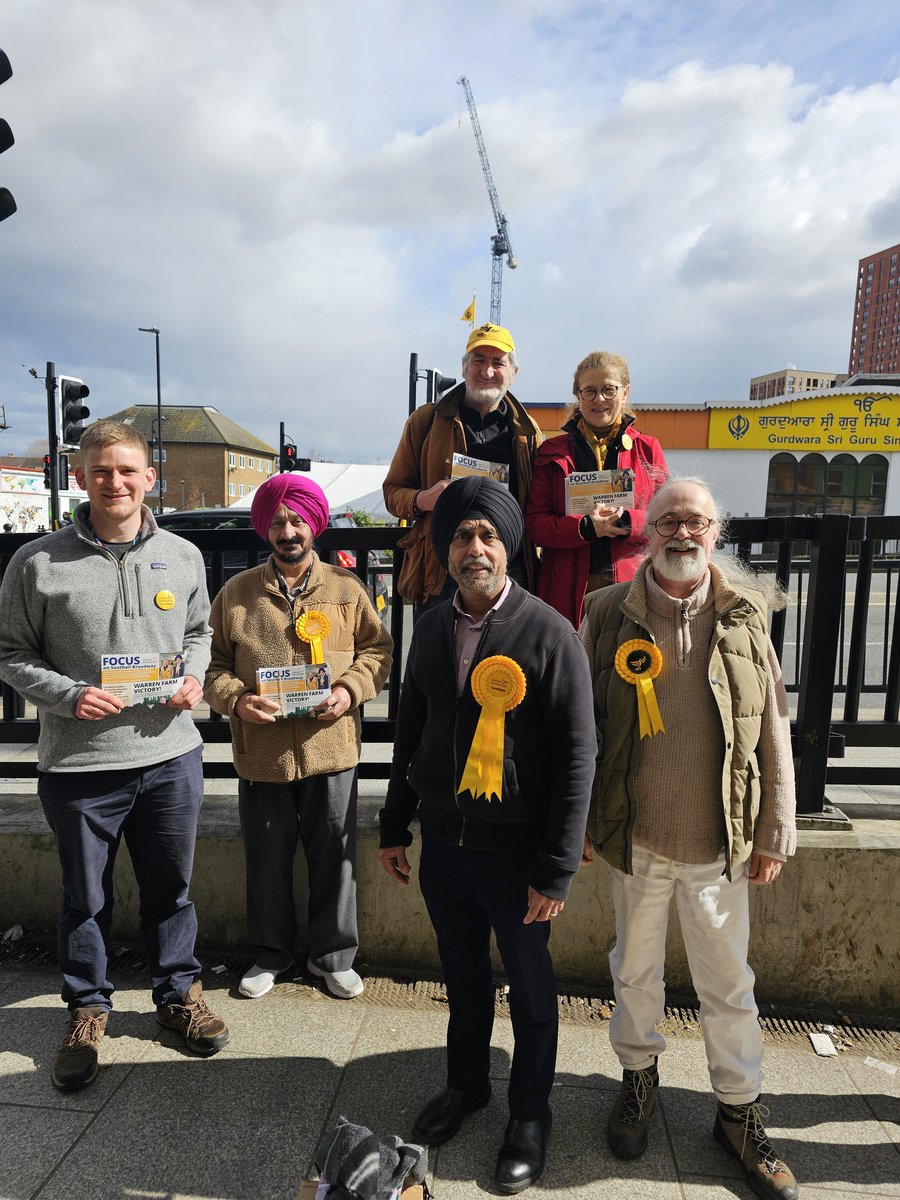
x=481, y=419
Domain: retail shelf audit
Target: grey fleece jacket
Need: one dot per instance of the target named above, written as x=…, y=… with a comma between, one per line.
x=65, y=600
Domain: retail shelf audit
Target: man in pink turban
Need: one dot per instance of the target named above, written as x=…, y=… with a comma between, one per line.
x=301, y=495
x=297, y=772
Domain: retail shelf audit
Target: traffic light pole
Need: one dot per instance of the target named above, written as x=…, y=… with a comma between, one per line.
x=53, y=447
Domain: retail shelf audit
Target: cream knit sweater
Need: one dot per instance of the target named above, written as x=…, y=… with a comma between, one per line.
x=678, y=782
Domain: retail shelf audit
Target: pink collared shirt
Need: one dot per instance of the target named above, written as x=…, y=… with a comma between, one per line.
x=468, y=634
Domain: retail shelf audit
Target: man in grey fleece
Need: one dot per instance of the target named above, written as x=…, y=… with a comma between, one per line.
x=693, y=798
x=113, y=583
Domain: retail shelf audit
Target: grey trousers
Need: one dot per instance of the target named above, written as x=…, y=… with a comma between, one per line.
x=321, y=812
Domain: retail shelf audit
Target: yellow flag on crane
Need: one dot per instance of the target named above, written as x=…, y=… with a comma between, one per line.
x=469, y=314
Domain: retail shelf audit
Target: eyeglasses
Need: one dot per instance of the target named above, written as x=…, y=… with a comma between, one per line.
x=670, y=524
x=609, y=392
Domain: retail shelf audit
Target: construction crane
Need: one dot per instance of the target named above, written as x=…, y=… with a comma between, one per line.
x=500, y=245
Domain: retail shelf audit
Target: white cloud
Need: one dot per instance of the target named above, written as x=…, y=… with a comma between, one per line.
x=296, y=201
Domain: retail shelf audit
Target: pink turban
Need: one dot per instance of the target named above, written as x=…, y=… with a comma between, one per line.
x=298, y=493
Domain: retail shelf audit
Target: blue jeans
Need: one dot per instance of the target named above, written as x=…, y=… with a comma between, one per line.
x=156, y=808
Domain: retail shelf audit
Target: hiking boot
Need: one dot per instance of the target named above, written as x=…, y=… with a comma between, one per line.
x=626, y=1129
x=76, y=1062
x=202, y=1030
x=739, y=1129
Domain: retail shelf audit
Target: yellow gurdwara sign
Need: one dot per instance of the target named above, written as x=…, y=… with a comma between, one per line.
x=867, y=421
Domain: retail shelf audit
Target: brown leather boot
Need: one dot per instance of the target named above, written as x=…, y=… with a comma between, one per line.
x=626, y=1129
x=76, y=1062
x=202, y=1030
x=739, y=1129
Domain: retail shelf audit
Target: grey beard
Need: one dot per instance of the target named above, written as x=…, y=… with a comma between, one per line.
x=486, y=400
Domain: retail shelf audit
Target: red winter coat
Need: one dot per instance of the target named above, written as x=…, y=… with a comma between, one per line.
x=566, y=556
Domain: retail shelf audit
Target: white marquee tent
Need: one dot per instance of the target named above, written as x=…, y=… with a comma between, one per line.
x=347, y=486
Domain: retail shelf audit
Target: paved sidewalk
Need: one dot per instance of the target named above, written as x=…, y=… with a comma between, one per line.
x=160, y=1124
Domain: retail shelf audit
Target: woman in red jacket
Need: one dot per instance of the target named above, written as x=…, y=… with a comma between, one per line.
x=582, y=553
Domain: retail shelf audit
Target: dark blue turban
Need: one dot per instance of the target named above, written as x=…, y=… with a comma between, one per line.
x=473, y=498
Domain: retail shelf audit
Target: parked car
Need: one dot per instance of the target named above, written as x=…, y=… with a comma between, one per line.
x=231, y=518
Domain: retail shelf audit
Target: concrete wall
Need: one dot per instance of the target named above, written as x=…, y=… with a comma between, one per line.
x=825, y=934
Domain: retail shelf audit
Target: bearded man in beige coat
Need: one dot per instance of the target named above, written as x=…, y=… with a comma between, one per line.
x=693, y=798
x=297, y=772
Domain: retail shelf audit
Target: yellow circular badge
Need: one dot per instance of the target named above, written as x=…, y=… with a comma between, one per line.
x=312, y=625
x=497, y=679
x=164, y=600
x=627, y=442
x=638, y=659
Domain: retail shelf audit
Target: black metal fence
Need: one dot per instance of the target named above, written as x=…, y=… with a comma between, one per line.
x=838, y=641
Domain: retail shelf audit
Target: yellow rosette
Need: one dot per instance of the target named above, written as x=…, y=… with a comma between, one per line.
x=313, y=627
x=498, y=684
x=639, y=662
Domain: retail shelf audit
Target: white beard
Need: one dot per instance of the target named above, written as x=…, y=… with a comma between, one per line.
x=680, y=567
x=485, y=398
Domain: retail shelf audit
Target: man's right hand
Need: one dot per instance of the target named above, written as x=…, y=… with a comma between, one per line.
x=395, y=862
x=258, y=710
x=94, y=704
x=425, y=501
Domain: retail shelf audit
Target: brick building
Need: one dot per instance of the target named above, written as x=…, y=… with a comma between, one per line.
x=209, y=461
x=875, y=338
x=789, y=382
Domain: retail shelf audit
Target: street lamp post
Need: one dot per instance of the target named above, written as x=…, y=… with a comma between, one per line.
x=159, y=417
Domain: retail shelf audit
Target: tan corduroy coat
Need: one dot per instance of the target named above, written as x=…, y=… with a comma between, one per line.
x=253, y=627
x=431, y=436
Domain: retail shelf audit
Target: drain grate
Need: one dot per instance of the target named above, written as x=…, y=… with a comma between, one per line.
x=402, y=990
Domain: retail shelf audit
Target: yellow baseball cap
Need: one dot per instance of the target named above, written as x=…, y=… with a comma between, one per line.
x=491, y=335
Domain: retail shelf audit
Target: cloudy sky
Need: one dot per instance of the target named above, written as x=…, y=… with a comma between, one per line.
x=290, y=191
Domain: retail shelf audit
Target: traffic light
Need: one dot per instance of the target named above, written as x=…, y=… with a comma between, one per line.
x=287, y=457
x=47, y=463
x=7, y=203
x=435, y=385
x=72, y=411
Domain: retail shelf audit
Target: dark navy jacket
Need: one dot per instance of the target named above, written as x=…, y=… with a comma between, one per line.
x=549, y=742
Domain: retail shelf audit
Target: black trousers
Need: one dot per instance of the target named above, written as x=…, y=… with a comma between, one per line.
x=320, y=812
x=468, y=893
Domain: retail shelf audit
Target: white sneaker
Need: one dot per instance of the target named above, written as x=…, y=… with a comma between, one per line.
x=343, y=984
x=257, y=982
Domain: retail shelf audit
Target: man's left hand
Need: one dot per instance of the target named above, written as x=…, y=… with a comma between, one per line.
x=188, y=695
x=335, y=705
x=763, y=869
x=541, y=908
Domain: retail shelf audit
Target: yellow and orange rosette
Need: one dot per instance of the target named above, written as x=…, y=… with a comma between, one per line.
x=498, y=684
x=313, y=627
x=639, y=662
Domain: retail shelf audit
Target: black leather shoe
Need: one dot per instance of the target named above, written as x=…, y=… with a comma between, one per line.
x=521, y=1158
x=442, y=1116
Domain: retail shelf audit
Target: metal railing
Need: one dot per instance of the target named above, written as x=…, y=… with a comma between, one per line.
x=831, y=641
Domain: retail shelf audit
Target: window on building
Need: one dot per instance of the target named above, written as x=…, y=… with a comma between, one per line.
x=814, y=485
x=231, y=489
x=250, y=463
x=231, y=460
x=241, y=462
x=241, y=490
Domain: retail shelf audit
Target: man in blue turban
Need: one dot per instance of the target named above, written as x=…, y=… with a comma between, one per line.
x=494, y=749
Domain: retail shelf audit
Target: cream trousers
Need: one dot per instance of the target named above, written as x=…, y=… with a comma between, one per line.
x=715, y=923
